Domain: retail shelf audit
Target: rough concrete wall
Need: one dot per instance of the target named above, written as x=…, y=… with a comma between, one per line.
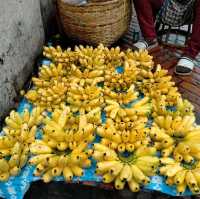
x=21, y=40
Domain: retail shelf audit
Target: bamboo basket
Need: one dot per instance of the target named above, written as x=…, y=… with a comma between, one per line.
x=103, y=21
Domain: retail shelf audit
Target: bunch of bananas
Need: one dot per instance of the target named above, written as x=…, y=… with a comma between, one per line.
x=64, y=131
x=157, y=83
x=113, y=57
x=19, y=155
x=57, y=55
x=123, y=97
x=123, y=80
x=121, y=168
x=19, y=133
x=90, y=58
x=124, y=136
x=117, y=112
x=50, y=87
x=182, y=175
x=87, y=77
x=84, y=99
x=181, y=107
x=142, y=57
x=51, y=163
x=48, y=73
x=178, y=136
x=63, y=148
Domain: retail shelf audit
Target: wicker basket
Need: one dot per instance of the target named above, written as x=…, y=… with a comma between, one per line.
x=97, y=22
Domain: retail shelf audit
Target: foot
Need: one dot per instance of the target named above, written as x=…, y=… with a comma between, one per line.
x=145, y=44
x=184, y=66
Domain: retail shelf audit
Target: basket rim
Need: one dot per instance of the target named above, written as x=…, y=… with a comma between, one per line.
x=90, y=4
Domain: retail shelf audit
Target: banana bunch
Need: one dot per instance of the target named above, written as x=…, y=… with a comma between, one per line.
x=113, y=57
x=84, y=99
x=19, y=133
x=49, y=97
x=20, y=124
x=86, y=77
x=182, y=107
x=121, y=168
x=182, y=175
x=52, y=162
x=47, y=73
x=145, y=61
x=18, y=158
x=155, y=84
x=65, y=131
x=121, y=98
x=178, y=136
x=117, y=112
x=57, y=55
x=121, y=81
x=90, y=58
x=94, y=116
x=124, y=136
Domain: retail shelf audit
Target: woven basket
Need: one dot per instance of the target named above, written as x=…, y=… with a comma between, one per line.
x=103, y=21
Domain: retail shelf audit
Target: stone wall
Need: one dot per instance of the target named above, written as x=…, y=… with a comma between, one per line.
x=21, y=39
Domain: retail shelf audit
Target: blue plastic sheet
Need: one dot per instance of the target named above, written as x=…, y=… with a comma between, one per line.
x=17, y=186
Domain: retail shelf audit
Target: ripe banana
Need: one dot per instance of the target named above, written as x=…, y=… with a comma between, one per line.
x=132, y=167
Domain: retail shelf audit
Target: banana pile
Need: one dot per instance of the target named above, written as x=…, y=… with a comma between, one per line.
x=124, y=136
x=19, y=133
x=183, y=107
x=133, y=168
x=114, y=110
x=121, y=97
x=121, y=81
x=50, y=88
x=181, y=175
x=86, y=77
x=63, y=148
x=57, y=55
x=51, y=163
x=134, y=108
x=178, y=136
x=142, y=58
x=113, y=57
x=159, y=86
x=84, y=99
x=64, y=130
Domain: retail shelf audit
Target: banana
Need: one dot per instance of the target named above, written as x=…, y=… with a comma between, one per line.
x=77, y=171
x=56, y=171
x=119, y=184
x=4, y=176
x=133, y=185
x=14, y=171
x=47, y=177
x=108, y=178
x=126, y=173
x=4, y=166
x=181, y=188
x=180, y=177
x=67, y=173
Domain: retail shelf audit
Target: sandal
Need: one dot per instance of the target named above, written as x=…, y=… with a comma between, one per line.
x=145, y=45
x=184, y=66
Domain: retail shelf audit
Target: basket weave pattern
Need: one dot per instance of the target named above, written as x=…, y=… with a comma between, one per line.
x=97, y=22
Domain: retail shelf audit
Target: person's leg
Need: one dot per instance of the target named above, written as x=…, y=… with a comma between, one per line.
x=146, y=11
x=185, y=64
x=193, y=45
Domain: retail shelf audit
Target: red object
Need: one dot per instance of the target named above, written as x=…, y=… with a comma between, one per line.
x=147, y=11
